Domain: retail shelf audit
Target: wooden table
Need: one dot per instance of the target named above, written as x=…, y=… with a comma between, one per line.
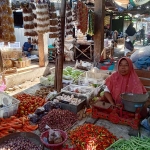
x=83, y=52
x=144, y=76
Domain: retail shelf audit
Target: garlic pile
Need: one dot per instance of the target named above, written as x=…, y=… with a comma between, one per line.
x=68, y=98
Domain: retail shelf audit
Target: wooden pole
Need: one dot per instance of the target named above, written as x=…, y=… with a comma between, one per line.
x=60, y=56
x=1, y=63
x=111, y=16
x=41, y=50
x=99, y=11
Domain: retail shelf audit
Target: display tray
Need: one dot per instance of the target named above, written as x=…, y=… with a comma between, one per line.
x=79, y=90
x=73, y=108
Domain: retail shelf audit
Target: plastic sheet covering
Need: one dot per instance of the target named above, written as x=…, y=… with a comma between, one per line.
x=143, y=52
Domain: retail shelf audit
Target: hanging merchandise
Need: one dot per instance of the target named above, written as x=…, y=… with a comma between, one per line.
x=29, y=16
x=69, y=26
x=74, y=13
x=90, y=30
x=138, y=2
x=53, y=22
x=58, y=40
x=82, y=16
x=42, y=18
x=6, y=23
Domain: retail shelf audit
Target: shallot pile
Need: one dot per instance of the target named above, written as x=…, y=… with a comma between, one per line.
x=58, y=119
x=19, y=143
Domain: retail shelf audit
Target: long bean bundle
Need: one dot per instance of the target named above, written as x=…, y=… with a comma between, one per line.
x=134, y=143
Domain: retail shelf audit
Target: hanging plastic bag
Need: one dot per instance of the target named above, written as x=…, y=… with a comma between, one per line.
x=2, y=84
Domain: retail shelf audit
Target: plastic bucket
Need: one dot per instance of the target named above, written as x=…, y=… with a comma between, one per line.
x=53, y=146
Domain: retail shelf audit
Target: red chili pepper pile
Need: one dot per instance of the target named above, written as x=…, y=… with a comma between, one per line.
x=89, y=137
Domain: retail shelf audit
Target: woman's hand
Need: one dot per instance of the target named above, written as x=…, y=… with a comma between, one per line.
x=109, y=98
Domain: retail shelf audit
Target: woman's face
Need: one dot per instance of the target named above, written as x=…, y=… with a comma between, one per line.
x=123, y=67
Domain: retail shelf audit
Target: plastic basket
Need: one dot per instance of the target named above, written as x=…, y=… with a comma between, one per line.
x=32, y=137
x=54, y=146
x=10, y=109
x=95, y=75
x=87, y=91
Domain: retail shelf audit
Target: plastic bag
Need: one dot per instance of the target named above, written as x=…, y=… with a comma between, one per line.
x=54, y=137
x=145, y=123
x=143, y=52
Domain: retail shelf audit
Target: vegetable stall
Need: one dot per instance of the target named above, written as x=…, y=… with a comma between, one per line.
x=40, y=118
x=60, y=120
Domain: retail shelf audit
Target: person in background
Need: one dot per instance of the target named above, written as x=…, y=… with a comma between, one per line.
x=142, y=34
x=108, y=47
x=115, y=37
x=27, y=47
x=124, y=80
x=128, y=47
x=131, y=32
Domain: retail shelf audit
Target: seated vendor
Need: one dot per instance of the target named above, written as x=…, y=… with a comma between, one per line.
x=27, y=47
x=124, y=80
x=128, y=47
x=107, y=48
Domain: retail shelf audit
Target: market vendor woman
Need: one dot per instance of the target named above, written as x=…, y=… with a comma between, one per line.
x=27, y=47
x=124, y=80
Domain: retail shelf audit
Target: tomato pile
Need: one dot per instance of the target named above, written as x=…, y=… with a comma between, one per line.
x=28, y=104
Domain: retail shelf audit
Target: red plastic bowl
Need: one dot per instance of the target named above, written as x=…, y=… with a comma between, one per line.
x=45, y=135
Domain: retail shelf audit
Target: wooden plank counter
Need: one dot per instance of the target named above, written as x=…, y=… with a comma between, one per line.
x=144, y=76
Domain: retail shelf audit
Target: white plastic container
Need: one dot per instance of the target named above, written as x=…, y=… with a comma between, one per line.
x=9, y=105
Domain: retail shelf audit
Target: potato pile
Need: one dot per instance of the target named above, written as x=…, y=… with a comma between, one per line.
x=44, y=91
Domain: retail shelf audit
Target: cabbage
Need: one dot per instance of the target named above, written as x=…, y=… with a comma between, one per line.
x=65, y=72
x=69, y=69
x=44, y=81
x=69, y=73
x=51, y=77
x=76, y=73
x=67, y=77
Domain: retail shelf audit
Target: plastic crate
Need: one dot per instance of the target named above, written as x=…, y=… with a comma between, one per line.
x=96, y=75
x=87, y=91
x=10, y=109
x=71, y=107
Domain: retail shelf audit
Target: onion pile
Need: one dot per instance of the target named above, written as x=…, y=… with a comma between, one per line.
x=19, y=143
x=58, y=119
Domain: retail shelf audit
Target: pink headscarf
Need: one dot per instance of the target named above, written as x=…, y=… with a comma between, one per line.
x=130, y=83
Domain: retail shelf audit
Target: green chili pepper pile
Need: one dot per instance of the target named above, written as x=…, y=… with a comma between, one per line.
x=134, y=143
x=89, y=136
